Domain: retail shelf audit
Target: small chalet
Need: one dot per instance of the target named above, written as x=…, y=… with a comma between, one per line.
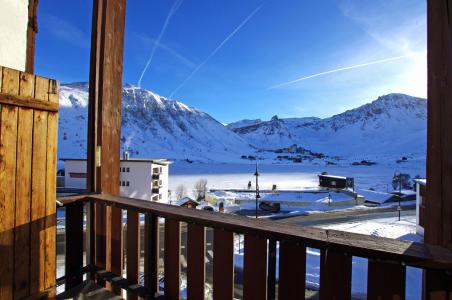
x=187, y=202
x=336, y=182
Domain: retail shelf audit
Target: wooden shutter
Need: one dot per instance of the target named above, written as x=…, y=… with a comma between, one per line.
x=28, y=145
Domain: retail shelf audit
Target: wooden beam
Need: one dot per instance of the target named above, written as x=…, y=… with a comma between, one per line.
x=28, y=102
x=32, y=29
x=104, y=126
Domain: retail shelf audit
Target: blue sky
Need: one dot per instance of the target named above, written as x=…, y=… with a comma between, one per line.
x=240, y=59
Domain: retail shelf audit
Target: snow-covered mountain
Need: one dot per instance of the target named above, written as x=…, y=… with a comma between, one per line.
x=391, y=125
x=152, y=126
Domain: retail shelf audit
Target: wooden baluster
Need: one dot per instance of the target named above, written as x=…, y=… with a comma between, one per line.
x=292, y=271
x=151, y=253
x=172, y=259
x=196, y=268
x=385, y=280
x=74, y=244
x=223, y=265
x=437, y=285
x=271, y=277
x=255, y=268
x=335, y=275
x=133, y=250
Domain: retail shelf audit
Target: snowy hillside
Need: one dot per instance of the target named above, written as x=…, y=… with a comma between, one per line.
x=394, y=124
x=152, y=126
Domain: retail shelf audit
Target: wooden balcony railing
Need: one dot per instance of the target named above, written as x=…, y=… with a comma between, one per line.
x=387, y=258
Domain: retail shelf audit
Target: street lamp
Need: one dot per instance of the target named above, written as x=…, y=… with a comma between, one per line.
x=258, y=196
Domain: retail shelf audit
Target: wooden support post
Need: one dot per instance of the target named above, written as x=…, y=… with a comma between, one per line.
x=438, y=203
x=104, y=126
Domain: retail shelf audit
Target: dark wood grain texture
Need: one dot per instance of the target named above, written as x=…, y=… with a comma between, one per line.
x=196, y=269
x=223, y=265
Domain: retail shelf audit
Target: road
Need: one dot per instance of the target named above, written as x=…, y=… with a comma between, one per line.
x=328, y=218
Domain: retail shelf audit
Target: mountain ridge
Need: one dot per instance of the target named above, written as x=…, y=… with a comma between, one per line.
x=154, y=126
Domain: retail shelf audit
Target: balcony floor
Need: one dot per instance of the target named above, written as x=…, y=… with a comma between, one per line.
x=88, y=291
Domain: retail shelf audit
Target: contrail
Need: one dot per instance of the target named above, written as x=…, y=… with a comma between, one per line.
x=173, y=9
x=216, y=50
x=339, y=70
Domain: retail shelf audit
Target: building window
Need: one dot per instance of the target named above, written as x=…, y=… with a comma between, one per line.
x=128, y=183
x=155, y=198
x=160, y=196
x=119, y=170
x=128, y=170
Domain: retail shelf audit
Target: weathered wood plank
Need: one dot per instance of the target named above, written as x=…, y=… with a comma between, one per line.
x=23, y=192
x=28, y=102
x=394, y=281
x=255, y=268
x=74, y=244
x=8, y=140
x=133, y=250
x=10, y=81
x=196, y=268
x=223, y=265
x=151, y=253
x=412, y=253
x=39, y=188
x=38, y=202
x=172, y=259
x=41, y=88
x=51, y=170
x=333, y=286
x=292, y=271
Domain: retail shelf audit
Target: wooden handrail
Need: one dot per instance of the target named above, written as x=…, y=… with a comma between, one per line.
x=379, y=248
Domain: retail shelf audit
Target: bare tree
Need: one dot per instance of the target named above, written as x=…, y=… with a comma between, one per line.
x=200, y=189
x=181, y=191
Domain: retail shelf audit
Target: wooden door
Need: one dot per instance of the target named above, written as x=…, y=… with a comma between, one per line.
x=28, y=144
